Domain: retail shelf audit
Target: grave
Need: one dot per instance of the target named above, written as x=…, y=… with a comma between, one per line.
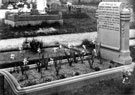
x=113, y=31
x=35, y=16
x=113, y=34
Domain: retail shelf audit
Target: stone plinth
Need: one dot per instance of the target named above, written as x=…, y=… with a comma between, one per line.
x=113, y=31
x=16, y=20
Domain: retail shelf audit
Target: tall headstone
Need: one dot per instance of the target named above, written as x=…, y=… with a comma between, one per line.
x=113, y=31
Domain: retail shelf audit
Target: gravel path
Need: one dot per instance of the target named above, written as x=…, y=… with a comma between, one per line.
x=66, y=38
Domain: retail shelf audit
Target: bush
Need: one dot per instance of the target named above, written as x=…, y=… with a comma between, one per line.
x=35, y=44
x=88, y=44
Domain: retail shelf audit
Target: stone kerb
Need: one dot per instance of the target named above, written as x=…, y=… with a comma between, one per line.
x=113, y=31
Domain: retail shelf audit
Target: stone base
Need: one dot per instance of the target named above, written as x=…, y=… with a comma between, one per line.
x=32, y=23
x=116, y=56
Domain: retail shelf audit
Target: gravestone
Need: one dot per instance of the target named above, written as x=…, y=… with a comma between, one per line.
x=113, y=31
x=41, y=5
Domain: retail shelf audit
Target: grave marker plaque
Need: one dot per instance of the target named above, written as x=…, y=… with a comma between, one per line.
x=109, y=24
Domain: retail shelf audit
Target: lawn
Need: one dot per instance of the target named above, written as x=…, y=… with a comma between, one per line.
x=108, y=87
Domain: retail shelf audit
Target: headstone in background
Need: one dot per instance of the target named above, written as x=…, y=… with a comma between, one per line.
x=113, y=31
x=41, y=5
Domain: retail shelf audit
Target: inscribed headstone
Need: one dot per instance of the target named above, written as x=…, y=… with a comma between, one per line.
x=109, y=24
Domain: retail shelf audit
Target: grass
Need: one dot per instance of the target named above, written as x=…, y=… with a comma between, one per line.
x=105, y=87
x=108, y=87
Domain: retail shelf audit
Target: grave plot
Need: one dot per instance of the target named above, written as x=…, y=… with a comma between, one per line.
x=37, y=76
x=67, y=66
x=60, y=62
